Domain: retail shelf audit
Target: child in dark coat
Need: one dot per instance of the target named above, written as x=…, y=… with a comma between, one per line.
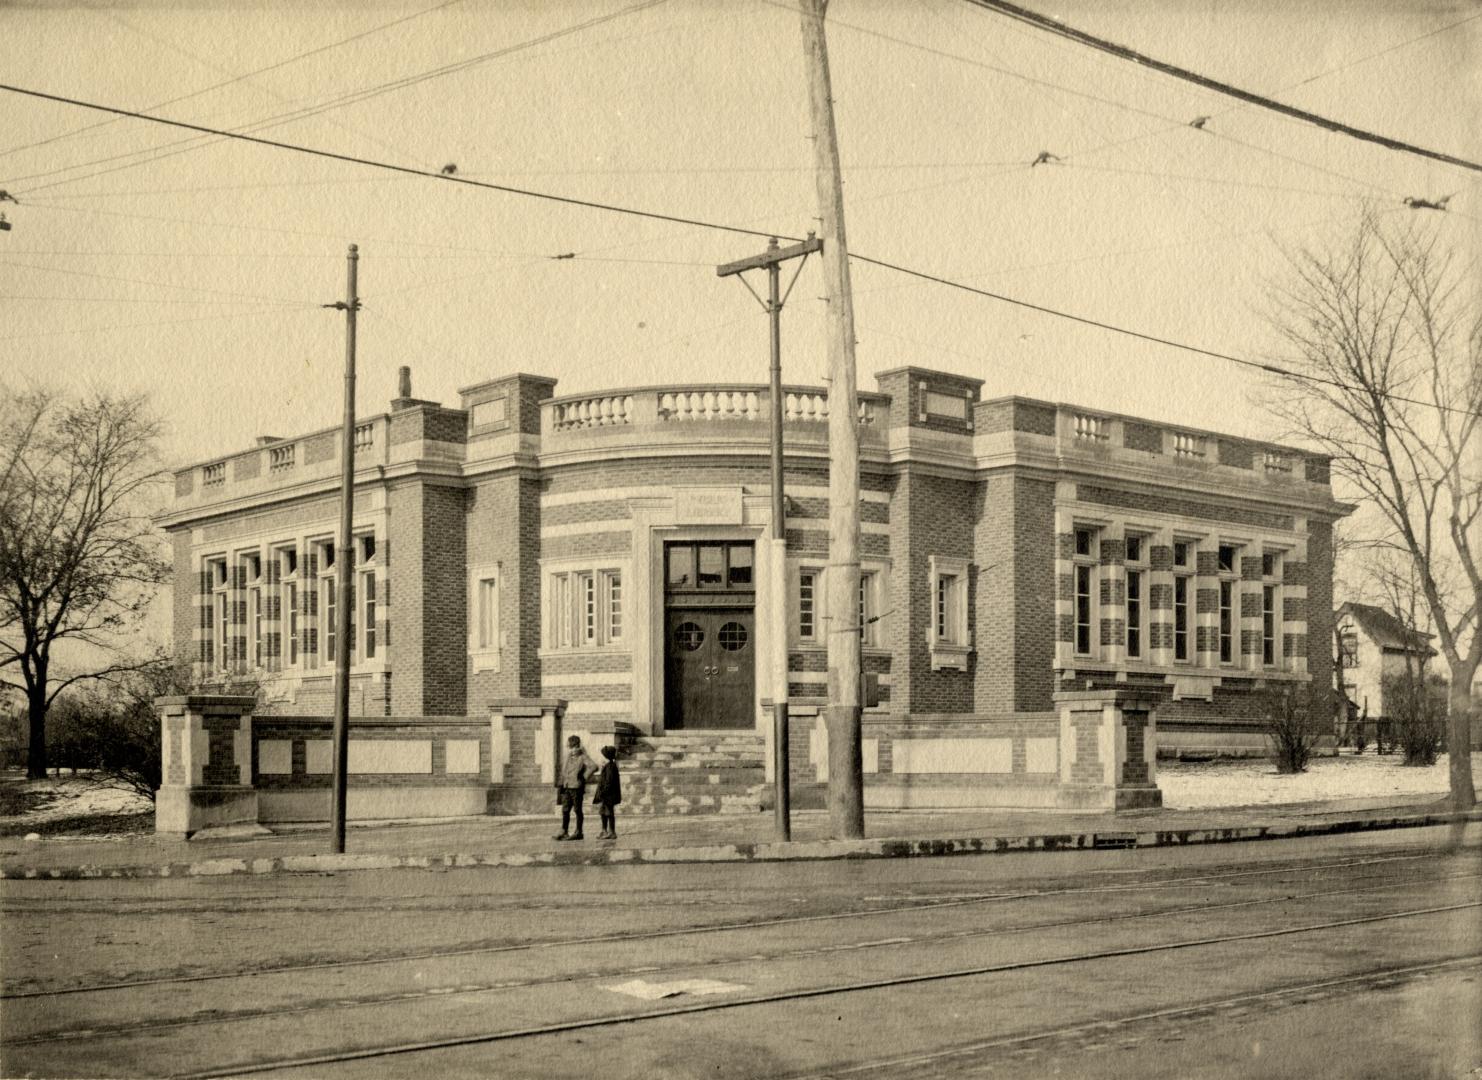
x=609, y=794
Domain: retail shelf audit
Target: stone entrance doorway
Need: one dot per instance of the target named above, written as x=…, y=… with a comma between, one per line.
x=709, y=635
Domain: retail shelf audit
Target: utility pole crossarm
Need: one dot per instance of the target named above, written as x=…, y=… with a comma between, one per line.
x=770, y=258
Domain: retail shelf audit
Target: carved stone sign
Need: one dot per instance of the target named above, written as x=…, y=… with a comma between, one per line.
x=707, y=506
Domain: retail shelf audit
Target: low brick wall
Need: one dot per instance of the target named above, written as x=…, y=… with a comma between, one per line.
x=398, y=766
x=936, y=760
x=963, y=760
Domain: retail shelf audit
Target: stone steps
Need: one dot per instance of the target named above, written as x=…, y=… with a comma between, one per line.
x=694, y=773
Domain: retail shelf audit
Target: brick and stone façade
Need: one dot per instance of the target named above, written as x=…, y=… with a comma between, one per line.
x=514, y=549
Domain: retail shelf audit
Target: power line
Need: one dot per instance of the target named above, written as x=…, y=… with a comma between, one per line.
x=275, y=230
x=405, y=169
x=239, y=78
x=113, y=327
x=1325, y=73
x=1384, y=52
x=350, y=97
x=1271, y=369
x=160, y=284
x=1174, y=124
x=272, y=93
x=696, y=223
x=128, y=300
x=1052, y=26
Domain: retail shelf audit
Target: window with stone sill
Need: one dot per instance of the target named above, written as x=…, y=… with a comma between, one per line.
x=1271, y=613
x=809, y=580
x=1227, y=560
x=947, y=633
x=1084, y=573
x=288, y=603
x=809, y=600
x=1185, y=557
x=361, y=598
x=484, y=639
x=584, y=608
x=1136, y=561
x=220, y=614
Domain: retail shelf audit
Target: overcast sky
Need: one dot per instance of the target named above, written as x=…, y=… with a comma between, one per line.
x=197, y=276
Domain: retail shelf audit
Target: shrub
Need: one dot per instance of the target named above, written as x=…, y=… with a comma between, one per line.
x=1417, y=711
x=1295, y=717
x=114, y=731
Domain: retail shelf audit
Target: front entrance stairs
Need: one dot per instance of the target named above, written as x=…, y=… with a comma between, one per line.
x=694, y=772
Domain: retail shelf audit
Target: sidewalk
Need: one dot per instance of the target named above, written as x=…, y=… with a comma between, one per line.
x=526, y=842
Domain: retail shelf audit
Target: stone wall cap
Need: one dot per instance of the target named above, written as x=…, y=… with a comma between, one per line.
x=524, y=375
x=510, y=704
x=359, y=722
x=1118, y=695
x=247, y=702
x=932, y=373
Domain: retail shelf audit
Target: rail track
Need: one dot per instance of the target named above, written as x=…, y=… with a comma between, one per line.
x=857, y=986
x=1188, y=881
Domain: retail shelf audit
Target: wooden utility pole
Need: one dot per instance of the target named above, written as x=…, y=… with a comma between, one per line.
x=845, y=637
x=772, y=259
x=344, y=568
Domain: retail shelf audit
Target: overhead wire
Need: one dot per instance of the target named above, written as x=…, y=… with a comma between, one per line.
x=1123, y=52
x=249, y=78
x=1270, y=369
x=126, y=300
x=699, y=223
x=1061, y=44
x=1174, y=124
x=284, y=301
x=296, y=58
x=114, y=327
x=354, y=97
x=408, y=170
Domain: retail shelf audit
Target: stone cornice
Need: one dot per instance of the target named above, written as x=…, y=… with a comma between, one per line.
x=948, y=456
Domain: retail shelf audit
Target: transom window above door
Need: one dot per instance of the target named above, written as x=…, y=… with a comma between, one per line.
x=707, y=565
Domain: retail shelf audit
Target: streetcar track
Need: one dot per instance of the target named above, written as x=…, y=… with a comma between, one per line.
x=1109, y=1024
x=370, y=1001
x=1188, y=881
x=689, y=1009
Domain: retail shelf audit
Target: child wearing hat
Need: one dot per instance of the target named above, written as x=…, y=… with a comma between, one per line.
x=609, y=793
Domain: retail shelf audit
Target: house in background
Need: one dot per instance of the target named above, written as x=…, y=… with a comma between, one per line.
x=1374, y=645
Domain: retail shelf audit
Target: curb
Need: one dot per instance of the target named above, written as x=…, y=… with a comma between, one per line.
x=801, y=851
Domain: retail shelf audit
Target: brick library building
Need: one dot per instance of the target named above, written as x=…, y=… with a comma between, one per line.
x=1051, y=597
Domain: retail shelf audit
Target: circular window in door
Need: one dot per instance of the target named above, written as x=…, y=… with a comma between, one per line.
x=732, y=637
x=688, y=636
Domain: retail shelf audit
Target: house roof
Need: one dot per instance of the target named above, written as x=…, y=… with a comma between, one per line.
x=1384, y=629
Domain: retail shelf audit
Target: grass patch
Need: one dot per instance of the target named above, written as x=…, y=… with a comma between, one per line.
x=16, y=799
x=128, y=824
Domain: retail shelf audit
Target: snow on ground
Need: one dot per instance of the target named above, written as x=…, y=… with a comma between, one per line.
x=77, y=796
x=1255, y=782
x=1186, y=786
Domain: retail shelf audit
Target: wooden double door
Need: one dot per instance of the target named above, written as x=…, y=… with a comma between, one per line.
x=710, y=669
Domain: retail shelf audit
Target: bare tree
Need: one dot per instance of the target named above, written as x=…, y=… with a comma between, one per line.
x=79, y=558
x=1390, y=341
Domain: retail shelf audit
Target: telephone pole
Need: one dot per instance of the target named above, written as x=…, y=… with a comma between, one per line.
x=772, y=259
x=344, y=558
x=845, y=640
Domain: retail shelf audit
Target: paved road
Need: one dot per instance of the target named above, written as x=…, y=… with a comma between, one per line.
x=1352, y=957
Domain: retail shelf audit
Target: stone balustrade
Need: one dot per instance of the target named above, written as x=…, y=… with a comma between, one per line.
x=697, y=404
x=591, y=411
